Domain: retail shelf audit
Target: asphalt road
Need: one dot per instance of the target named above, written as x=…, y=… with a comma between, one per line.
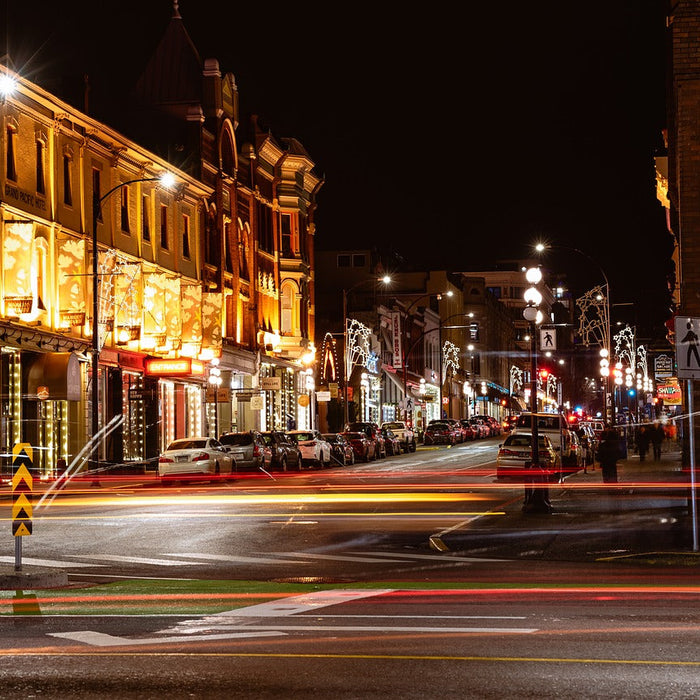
x=326, y=584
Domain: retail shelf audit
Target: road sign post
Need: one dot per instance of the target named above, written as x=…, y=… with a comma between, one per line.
x=22, y=486
x=687, y=332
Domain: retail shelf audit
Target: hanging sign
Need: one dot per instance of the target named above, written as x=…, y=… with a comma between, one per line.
x=396, y=359
x=271, y=383
x=687, y=347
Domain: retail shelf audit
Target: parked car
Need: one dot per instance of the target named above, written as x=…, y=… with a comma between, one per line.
x=516, y=453
x=509, y=423
x=482, y=430
x=469, y=429
x=281, y=452
x=341, y=449
x=404, y=433
x=392, y=442
x=315, y=449
x=247, y=448
x=195, y=457
x=364, y=448
x=439, y=433
x=573, y=457
x=373, y=433
x=454, y=424
x=494, y=426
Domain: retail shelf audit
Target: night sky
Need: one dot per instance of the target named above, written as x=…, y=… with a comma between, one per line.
x=456, y=134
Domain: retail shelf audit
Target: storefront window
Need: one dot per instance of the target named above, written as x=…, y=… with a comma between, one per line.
x=10, y=403
x=133, y=411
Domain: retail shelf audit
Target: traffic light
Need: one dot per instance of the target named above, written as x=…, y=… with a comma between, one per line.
x=544, y=373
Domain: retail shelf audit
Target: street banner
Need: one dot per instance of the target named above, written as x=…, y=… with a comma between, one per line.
x=396, y=340
x=687, y=347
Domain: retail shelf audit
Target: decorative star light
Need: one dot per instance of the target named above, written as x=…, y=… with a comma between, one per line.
x=516, y=379
x=594, y=321
x=450, y=359
x=358, y=350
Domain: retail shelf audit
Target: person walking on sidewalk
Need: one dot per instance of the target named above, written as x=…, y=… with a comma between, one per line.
x=643, y=437
x=609, y=451
x=657, y=437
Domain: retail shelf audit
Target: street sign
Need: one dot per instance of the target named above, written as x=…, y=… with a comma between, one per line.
x=548, y=338
x=22, y=485
x=663, y=367
x=687, y=347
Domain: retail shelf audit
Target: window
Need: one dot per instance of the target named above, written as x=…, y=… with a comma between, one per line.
x=287, y=250
x=67, y=180
x=185, y=236
x=40, y=180
x=145, y=219
x=344, y=260
x=496, y=291
x=125, y=208
x=96, y=193
x=359, y=260
x=164, y=227
x=243, y=237
x=10, y=167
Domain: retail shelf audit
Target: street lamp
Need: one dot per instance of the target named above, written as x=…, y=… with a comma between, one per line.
x=167, y=180
x=536, y=495
x=404, y=356
x=386, y=279
x=599, y=295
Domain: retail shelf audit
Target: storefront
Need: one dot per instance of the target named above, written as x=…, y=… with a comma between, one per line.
x=180, y=397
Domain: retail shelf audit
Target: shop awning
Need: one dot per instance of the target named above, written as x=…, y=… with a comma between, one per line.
x=55, y=376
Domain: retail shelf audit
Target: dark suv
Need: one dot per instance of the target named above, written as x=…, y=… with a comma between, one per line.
x=280, y=451
x=373, y=434
x=248, y=448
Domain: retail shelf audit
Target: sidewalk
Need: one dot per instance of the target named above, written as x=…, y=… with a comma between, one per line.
x=646, y=516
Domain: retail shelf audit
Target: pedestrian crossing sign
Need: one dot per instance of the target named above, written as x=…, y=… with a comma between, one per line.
x=548, y=338
x=687, y=347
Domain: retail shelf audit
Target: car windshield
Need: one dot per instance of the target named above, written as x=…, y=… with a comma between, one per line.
x=236, y=439
x=332, y=437
x=439, y=426
x=302, y=437
x=393, y=426
x=354, y=436
x=187, y=444
x=524, y=441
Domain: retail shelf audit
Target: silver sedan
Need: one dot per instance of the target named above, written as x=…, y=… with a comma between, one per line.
x=195, y=457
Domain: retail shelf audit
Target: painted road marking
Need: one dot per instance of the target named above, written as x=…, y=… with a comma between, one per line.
x=97, y=639
x=432, y=557
x=133, y=560
x=333, y=557
x=232, y=558
x=47, y=562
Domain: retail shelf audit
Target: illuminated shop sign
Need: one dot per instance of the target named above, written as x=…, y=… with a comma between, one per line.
x=180, y=367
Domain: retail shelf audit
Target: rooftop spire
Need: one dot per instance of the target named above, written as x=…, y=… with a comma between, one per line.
x=176, y=10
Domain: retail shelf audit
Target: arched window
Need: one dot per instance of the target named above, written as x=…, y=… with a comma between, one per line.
x=228, y=163
x=287, y=326
x=243, y=242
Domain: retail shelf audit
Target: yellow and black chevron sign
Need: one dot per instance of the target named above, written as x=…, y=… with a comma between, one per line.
x=22, y=484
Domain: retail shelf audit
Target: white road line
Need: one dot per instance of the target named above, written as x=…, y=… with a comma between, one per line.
x=432, y=557
x=389, y=628
x=333, y=557
x=54, y=563
x=306, y=602
x=97, y=639
x=232, y=558
x=134, y=560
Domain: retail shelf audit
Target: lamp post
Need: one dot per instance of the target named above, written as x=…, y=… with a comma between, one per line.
x=167, y=180
x=536, y=494
x=605, y=322
x=386, y=279
x=404, y=355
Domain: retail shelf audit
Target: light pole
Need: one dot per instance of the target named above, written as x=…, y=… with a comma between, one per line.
x=536, y=494
x=386, y=279
x=167, y=180
x=605, y=322
x=404, y=356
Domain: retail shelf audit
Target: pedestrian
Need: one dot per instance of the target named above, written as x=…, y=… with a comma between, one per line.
x=609, y=452
x=657, y=437
x=643, y=442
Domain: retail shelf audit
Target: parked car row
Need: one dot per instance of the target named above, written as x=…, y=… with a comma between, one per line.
x=449, y=431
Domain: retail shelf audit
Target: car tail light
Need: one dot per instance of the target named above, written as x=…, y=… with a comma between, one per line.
x=200, y=457
x=164, y=460
x=256, y=451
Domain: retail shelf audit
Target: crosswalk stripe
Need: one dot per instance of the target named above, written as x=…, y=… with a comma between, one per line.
x=135, y=560
x=334, y=557
x=53, y=563
x=232, y=558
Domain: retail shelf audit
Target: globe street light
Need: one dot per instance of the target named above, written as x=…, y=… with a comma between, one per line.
x=536, y=494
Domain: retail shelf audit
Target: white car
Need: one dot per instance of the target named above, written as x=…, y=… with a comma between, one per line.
x=195, y=457
x=315, y=449
x=404, y=433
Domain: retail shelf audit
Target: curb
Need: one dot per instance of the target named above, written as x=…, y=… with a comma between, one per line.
x=31, y=577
